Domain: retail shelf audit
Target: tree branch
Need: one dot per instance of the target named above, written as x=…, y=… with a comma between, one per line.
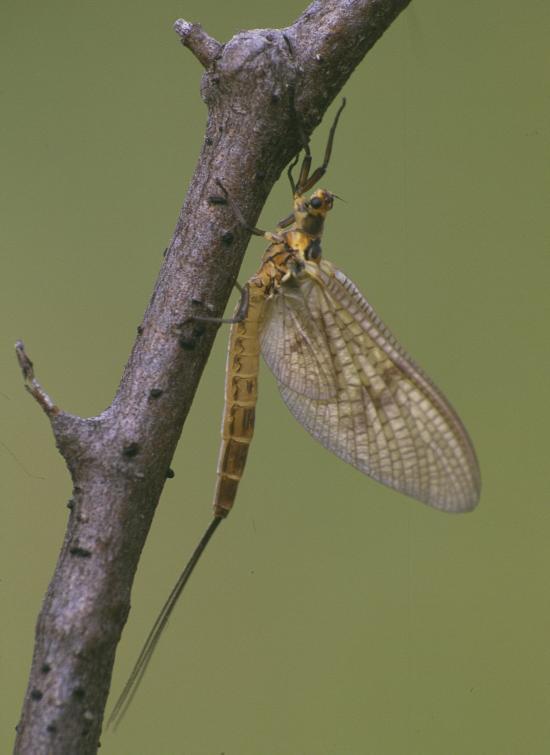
x=205, y=48
x=31, y=383
x=264, y=89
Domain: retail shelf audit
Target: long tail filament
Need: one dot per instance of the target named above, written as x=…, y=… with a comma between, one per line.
x=131, y=686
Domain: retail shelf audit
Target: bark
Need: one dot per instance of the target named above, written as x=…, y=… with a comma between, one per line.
x=265, y=89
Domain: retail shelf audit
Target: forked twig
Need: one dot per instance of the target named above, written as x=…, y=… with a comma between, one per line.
x=31, y=383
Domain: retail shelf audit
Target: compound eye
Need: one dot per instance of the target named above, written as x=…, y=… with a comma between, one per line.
x=316, y=202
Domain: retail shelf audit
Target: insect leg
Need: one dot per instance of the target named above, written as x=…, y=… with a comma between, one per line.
x=242, y=310
x=285, y=222
x=242, y=220
x=308, y=183
x=289, y=172
x=293, y=186
x=304, y=171
x=238, y=317
x=304, y=140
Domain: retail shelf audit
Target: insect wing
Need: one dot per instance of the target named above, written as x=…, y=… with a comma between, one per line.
x=354, y=388
x=295, y=347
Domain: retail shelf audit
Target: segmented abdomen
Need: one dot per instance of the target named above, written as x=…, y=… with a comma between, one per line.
x=241, y=394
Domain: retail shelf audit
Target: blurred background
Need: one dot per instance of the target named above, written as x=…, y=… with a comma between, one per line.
x=330, y=616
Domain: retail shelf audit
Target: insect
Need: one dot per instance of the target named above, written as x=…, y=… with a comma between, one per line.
x=341, y=373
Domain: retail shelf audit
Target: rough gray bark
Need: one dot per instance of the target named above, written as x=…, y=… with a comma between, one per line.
x=258, y=87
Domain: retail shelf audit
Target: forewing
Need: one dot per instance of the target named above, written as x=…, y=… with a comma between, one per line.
x=385, y=416
x=295, y=347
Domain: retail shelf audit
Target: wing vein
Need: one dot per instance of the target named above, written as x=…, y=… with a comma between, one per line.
x=352, y=386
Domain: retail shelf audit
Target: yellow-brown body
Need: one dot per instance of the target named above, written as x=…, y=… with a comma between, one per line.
x=341, y=373
x=241, y=394
x=286, y=255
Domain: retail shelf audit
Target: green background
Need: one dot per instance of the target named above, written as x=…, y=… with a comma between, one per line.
x=330, y=616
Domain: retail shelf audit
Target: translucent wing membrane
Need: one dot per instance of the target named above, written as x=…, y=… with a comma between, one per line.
x=295, y=347
x=351, y=385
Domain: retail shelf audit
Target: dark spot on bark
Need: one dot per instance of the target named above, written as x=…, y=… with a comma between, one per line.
x=216, y=199
x=288, y=44
x=199, y=330
x=79, y=693
x=165, y=252
x=208, y=141
x=36, y=694
x=139, y=330
x=274, y=97
x=70, y=503
x=170, y=474
x=45, y=668
x=228, y=238
x=187, y=344
x=76, y=550
x=196, y=302
x=260, y=175
x=131, y=450
x=51, y=729
x=156, y=392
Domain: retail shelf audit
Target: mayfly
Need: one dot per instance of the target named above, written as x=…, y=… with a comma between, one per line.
x=341, y=373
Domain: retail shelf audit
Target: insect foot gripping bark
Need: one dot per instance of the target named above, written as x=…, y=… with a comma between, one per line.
x=341, y=373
